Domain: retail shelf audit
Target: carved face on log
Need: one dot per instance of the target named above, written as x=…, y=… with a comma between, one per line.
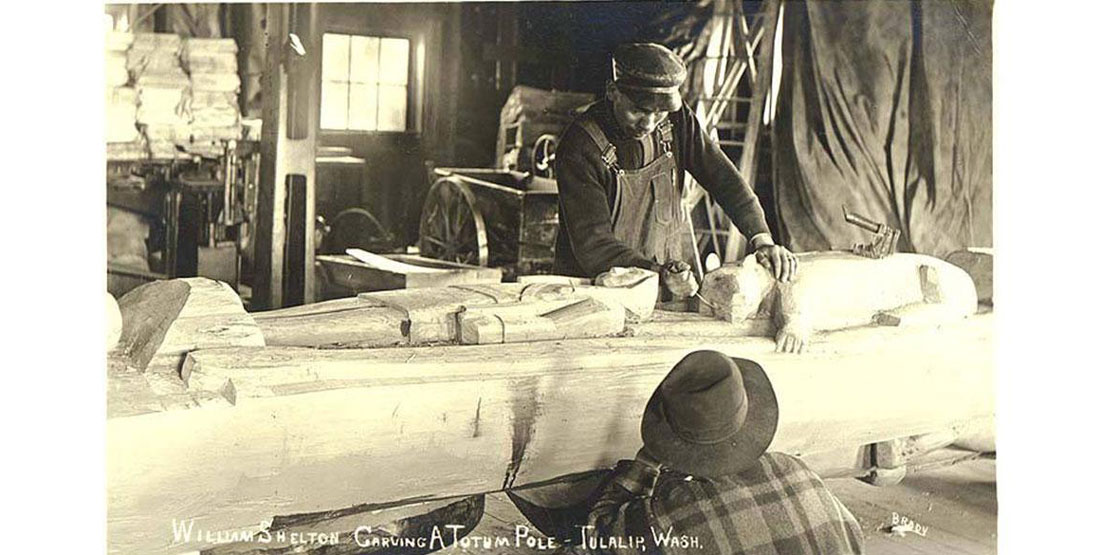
x=744, y=284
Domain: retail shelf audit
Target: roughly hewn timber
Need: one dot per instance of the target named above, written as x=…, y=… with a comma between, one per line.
x=312, y=430
x=163, y=320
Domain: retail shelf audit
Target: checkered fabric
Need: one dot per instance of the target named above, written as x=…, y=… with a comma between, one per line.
x=777, y=506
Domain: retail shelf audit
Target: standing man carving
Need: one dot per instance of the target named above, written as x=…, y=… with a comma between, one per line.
x=620, y=180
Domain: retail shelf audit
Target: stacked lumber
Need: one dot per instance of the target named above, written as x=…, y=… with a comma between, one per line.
x=162, y=88
x=215, y=115
x=123, y=140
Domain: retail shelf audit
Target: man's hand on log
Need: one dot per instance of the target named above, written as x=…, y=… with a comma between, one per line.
x=788, y=340
x=780, y=261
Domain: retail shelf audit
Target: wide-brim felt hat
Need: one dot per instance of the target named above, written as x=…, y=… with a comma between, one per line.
x=650, y=75
x=699, y=422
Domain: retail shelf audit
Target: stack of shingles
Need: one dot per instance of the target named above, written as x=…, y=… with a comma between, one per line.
x=123, y=140
x=215, y=114
x=162, y=90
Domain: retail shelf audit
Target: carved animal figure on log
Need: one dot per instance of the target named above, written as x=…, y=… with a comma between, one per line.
x=835, y=290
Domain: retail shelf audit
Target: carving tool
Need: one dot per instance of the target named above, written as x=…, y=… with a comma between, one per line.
x=884, y=242
x=698, y=262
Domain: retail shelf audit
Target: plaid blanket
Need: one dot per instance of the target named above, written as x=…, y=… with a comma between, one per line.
x=778, y=506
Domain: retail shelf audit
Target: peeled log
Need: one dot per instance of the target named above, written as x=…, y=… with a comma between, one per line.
x=315, y=430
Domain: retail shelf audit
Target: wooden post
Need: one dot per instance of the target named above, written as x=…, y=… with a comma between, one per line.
x=287, y=150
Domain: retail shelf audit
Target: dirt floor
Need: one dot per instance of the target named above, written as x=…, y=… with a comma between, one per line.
x=954, y=511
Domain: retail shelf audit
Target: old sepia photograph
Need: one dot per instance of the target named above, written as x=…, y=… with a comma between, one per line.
x=467, y=277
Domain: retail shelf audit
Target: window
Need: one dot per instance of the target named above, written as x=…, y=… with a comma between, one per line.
x=364, y=83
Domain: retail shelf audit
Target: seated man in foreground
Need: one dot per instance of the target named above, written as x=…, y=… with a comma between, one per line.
x=702, y=483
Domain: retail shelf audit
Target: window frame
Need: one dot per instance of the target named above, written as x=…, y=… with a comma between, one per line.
x=412, y=87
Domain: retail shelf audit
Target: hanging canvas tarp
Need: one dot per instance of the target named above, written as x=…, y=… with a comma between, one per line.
x=885, y=108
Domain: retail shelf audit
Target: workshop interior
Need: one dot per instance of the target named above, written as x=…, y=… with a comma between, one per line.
x=331, y=233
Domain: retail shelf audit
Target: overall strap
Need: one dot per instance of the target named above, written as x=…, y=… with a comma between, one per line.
x=607, y=150
x=610, y=159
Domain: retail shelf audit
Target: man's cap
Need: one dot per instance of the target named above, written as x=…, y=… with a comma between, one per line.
x=649, y=74
x=711, y=416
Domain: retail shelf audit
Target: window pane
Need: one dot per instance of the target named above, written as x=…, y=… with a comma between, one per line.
x=364, y=59
x=391, y=107
x=395, y=61
x=363, y=115
x=334, y=57
x=334, y=105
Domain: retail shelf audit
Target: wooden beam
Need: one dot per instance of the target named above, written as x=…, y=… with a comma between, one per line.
x=287, y=149
x=313, y=430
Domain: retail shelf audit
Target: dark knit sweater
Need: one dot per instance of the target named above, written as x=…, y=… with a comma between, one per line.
x=586, y=245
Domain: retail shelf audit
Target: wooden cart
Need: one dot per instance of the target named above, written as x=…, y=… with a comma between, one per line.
x=491, y=217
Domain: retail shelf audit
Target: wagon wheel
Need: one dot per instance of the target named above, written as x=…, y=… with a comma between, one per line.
x=358, y=228
x=542, y=155
x=451, y=227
